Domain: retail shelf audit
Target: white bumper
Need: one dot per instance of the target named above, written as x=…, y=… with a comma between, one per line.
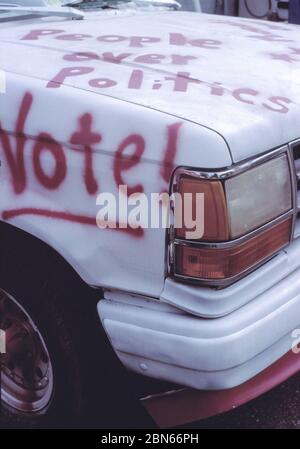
x=160, y=341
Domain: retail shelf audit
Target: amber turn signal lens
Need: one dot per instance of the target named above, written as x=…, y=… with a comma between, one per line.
x=216, y=226
x=222, y=263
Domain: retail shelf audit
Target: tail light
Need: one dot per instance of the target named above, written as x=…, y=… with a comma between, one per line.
x=222, y=263
x=247, y=219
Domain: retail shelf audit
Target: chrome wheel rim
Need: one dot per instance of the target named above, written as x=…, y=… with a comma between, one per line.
x=26, y=368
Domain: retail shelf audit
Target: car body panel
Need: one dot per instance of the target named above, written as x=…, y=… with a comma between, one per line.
x=125, y=98
x=135, y=97
x=236, y=76
x=53, y=193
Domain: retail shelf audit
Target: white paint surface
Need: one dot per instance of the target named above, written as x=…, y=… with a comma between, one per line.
x=219, y=122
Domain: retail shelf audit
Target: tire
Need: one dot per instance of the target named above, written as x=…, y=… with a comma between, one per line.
x=90, y=388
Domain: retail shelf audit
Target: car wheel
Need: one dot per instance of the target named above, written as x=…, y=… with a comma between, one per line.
x=27, y=380
x=59, y=370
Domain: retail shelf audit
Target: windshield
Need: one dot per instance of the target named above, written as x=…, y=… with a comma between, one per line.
x=50, y=5
x=11, y=10
x=37, y=3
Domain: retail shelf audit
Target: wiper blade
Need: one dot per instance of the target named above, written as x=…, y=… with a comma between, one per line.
x=44, y=11
x=101, y=4
x=94, y=4
x=173, y=4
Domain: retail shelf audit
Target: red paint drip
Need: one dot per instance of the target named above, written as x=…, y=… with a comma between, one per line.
x=66, y=216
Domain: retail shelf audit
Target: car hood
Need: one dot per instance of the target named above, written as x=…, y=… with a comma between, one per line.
x=237, y=77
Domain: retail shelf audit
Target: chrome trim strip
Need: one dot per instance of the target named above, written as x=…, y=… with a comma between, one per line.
x=294, y=143
x=230, y=172
x=294, y=184
x=238, y=241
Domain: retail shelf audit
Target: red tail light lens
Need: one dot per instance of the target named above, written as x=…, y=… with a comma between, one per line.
x=222, y=263
x=246, y=213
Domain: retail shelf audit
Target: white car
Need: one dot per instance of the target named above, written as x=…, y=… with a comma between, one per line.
x=156, y=100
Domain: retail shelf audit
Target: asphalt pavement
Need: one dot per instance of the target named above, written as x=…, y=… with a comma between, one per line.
x=277, y=409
